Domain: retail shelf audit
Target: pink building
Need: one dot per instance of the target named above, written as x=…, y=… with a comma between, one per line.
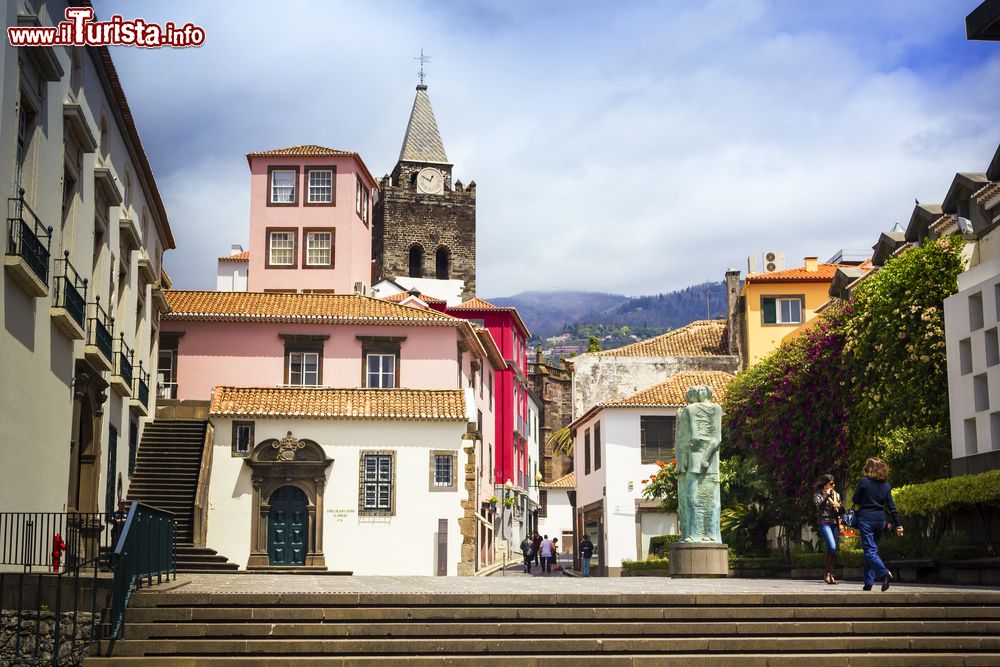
x=310, y=221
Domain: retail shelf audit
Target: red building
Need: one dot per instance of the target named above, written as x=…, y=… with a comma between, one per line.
x=509, y=387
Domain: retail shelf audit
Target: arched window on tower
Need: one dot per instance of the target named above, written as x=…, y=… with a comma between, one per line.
x=442, y=263
x=416, y=261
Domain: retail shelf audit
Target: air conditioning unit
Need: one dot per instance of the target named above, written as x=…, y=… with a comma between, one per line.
x=774, y=261
x=359, y=288
x=752, y=264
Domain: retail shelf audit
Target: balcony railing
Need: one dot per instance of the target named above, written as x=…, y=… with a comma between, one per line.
x=101, y=330
x=166, y=389
x=27, y=539
x=142, y=386
x=71, y=290
x=27, y=237
x=123, y=360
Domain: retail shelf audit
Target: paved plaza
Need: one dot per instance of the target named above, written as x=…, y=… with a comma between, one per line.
x=312, y=583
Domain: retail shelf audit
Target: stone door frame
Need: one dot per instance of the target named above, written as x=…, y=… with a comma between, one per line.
x=287, y=462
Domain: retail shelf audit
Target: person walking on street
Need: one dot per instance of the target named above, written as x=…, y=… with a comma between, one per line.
x=537, y=540
x=586, y=552
x=555, y=553
x=528, y=551
x=872, y=498
x=545, y=551
x=828, y=511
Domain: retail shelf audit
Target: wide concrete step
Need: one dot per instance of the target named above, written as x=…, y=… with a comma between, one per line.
x=515, y=628
x=834, y=659
x=534, y=645
x=446, y=613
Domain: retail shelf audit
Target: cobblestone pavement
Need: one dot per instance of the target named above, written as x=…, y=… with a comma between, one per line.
x=310, y=583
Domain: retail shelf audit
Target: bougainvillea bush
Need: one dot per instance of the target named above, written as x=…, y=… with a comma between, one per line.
x=662, y=485
x=789, y=411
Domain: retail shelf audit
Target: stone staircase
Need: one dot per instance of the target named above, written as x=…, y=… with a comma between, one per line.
x=849, y=628
x=166, y=476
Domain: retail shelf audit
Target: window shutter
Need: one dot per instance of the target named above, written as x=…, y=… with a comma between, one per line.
x=770, y=311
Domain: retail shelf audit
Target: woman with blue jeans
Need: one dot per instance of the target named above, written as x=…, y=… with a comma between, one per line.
x=828, y=511
x=871, y=499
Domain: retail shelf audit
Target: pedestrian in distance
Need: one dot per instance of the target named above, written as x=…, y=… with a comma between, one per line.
x=586, y=552
x=528, y=551
x=537, y=540
x=545, y=552
x=828, y=511
x=872, y=498
x=555, y=553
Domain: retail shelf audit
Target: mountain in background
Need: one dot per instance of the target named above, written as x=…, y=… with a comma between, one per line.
x=554, y=312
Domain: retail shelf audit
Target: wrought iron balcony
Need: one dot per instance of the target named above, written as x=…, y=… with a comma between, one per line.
x=121, y=378
x=69, y=308
x=140, y=392
x=99, y=350
x=26, y=257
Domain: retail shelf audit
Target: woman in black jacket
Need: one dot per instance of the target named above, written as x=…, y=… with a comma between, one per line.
x=871, y=499
x=828, y=511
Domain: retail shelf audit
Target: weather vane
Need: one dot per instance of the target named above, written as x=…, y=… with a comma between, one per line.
x=423, y=59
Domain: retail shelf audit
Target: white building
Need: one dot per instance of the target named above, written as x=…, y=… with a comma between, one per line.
x=616, y=447
x=555, y=513
x=233, y=270
x=365, y=481
x=972, y=322
x=82, y=288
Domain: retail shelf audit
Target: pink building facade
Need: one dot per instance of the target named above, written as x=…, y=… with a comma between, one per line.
x=310, y=221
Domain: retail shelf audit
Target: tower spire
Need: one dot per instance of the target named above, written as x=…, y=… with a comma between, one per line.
x=422, y=142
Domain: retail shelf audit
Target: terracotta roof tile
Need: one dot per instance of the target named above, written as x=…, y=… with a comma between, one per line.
x=475, y=304
x=943, y=223
x=671, y=393
x=564, y=482
x=292, y=307
x=238, y=257
x=331, y=403
x=309, y=150
x=987, y=192
x=403, y=296
x=823, y=273
x=700, y=338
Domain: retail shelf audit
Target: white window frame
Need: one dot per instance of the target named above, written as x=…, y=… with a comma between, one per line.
x=357, y=196
x=248, y=427
x=271, y=248
x=302, y=360
x=277, y=190
x=311, y=238
x=385, y=378
x=320, y=193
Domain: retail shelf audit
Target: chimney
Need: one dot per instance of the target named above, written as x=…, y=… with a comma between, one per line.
x=734, y=314
x=812, y=264
x=235, y=249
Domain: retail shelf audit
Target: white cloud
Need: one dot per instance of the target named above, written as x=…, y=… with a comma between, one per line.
x=633, y=147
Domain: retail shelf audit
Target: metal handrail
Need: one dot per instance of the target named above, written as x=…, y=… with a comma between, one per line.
x=71, y=294
x=123, y=360
x=147, y=548
x=102, y=329
x=142, y=386
x=24, y=240
x=28, y=539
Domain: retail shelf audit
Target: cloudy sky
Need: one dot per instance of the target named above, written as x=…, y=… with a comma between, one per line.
x=629, y=147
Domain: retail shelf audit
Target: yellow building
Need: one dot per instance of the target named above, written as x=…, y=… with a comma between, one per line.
x=778, y=302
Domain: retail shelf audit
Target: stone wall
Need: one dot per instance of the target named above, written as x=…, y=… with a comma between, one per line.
x=599, y=379
x=38, y=648
x=553, y=385
x=404, y=216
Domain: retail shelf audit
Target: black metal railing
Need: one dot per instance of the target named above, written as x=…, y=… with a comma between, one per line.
x=102, y=329
x=52, y=615
x=146, y=549
x=27, y=237
x=71, y=290
x=29, y=539
x=123, y=360
x=142, y=386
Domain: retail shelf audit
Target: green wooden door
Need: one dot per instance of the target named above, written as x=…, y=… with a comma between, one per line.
x=286, y=527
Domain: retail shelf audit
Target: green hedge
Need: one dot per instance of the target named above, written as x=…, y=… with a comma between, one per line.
x=816, y=560
x=651, y=564
x=764, y=563
x=948, y=494
x=660, y=545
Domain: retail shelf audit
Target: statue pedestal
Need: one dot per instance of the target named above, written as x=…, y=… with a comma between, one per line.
x=699, y=560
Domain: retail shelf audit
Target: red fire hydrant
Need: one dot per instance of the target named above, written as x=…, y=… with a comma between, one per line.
x=58, y=546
